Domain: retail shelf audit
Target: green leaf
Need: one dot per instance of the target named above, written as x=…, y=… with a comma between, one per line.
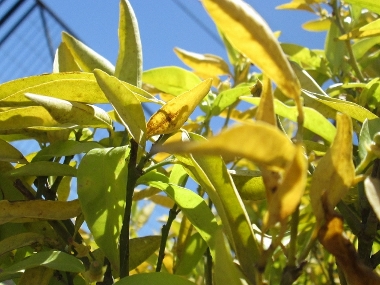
x=20, y=240
x=368, y=130
x=362, y=46
x=156, y=278
x=86, y=58
x=56, y=260
x=313, y=120
x=64, y=61
x=102, y=192
x=127, y=106
x=9, y=153
x=249, y=184
x=193, y=252
x=65, y=148
x=368, y=4
x=43, y=168
x=129, y=59
x=191, y=204
x=171, y=79
x=66, y=112
x=228, y=97
x=141, y=248
x=334, y=49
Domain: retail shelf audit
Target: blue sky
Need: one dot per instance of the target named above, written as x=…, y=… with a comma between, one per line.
x=163, y=26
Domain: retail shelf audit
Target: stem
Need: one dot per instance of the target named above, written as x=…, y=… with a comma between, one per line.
x=133, y=175
x=165, y=233
x=293, y=238
x=208, y=267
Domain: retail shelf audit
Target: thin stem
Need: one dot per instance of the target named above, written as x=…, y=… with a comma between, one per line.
x=164, y=236
x=133, y=175
x=208, y=267
x=293, y=238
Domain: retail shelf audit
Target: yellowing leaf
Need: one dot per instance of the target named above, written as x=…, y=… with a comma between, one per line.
x=206, y=64
x=38, y=209
x=86, y=58
x=36, y=275
x=64, y=60
x=10, y=153
x=129, y=59
x=358, y=33
x=296, y=5
x=319, y=25
x=127, y=106
x=287, y=196
x=66, y=112
x=174, y=113
x=374, y=6
x=260, y=142
x=335, y=172
x=250, y=34
x=265, y=111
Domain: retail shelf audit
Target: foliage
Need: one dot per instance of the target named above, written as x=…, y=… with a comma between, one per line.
x=288, y=192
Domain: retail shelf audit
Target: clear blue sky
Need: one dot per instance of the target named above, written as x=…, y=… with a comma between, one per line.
x=163, y=25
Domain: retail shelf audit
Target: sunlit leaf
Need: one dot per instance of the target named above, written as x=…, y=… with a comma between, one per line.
x=361, y=47
x=20, y=240
x=129, y=60
x=367, y=132
x=156, y=278
x=288, y=195
x=10, y=153
x=101, y=192
x=174, y=113
x=313, y=120
x=250, y=34
x=358, y=34
x=171, y=79
x=43, y=168
x=249, y=184
x=127, y=106
x=296, y=5
x=265, y=110
x=64, y=60
x=207, y=64
x=335, y=172
x=38, y=209
x=335, y=50
x=86, y=58
x=368, y=4
x=372, y=191
x=319, y=25
x=66, y=112
x=141, y=248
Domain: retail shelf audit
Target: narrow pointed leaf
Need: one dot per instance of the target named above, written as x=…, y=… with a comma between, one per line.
x=101, y=192
x=374, y=6
x=64, y=60
x=265, y=111
x=43, y=168
x=141, y=248
x=127, y=106
x=66, y=112
x=171, y=79
x=86, y=58
x=319, y=25
x=335, y=172
x=175, y=113
x=250, y=34
x=10, y=153
x=20, y=240
x=38, y=209
x=129, y=59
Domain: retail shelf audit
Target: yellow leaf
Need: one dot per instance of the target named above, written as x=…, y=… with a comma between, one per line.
x=260, y=142
x=319, y=25
x=250, y=34
x=358, y=33
x=174, y=113
x=206, y=64
x=335, y=172
x=64, y=60
x=38, y=209
x=265, y=111
x=287, y=196
x=296, y=5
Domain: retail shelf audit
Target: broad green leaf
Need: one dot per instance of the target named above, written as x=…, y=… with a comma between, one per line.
x=86, y=58
x=43, y=168
x=374, y=6
x=64, y=148
x=37, y=275
x=361, y=47
x=228, y=97
x=129, y=59
x=260, y=142
x=66, y=112
x=10, y=153
x=287, y=196
x=127, y=106
x=156, y=278
x=249, y=184
x=175, y=113
x=191, y=204
x=56, y=260
x=171, y=79
x=334, y=49
x=370, y=95
x=250, y=34
x=368, y=130
x=101, y=192
x=335, y=172
x=313, y=120
x=141, y=248
x=38, y=209
x=193, y=252
x=372, y=191
x=318, y=25
x=304, y=57
x=20, y=240
x=64, y=60
x=206, y=64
